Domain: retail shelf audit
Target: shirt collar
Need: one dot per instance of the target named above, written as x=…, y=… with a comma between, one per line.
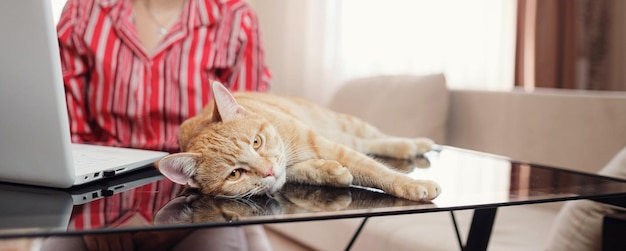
x=201, y=12
x=108, y=3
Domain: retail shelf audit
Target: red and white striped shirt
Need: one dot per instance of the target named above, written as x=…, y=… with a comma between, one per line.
x=118, y=94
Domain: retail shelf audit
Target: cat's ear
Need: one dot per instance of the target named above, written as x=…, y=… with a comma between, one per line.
x=179, y=167
x=226, y=107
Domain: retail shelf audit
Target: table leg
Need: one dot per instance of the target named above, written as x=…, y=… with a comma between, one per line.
x=456, y=230
x=480, y=229
x=356, y=234
x=613, y=227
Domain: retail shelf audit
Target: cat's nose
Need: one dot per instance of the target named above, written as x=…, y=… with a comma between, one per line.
x=269, y=172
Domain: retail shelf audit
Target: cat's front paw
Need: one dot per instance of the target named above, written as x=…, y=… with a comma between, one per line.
x=419, y=190
x=335, y=173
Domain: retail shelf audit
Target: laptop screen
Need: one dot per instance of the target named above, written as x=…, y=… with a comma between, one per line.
x=34, y=133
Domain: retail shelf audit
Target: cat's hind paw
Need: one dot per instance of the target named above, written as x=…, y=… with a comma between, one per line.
x=424, y=145
x=418, y=190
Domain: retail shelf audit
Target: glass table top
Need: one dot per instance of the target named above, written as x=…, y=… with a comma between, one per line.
x=145, y=200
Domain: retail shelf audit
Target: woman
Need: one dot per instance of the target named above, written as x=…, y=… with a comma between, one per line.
x=135, y=69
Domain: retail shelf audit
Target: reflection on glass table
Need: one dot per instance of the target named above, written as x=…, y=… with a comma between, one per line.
x=469, y=180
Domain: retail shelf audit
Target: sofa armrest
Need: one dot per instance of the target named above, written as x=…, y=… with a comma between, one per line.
x=578, y=130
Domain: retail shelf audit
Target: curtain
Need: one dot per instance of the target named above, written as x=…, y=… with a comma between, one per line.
x=546, y=44
x=313, y=46
x=299, y=39
x=572, y=44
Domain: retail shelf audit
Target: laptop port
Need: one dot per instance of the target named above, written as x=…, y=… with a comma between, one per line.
x=108, y=173
x=96, y=175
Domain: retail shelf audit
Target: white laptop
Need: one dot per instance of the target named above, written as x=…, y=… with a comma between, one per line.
x=35, y=145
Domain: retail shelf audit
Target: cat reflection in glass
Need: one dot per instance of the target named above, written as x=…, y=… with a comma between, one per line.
x=245, y=144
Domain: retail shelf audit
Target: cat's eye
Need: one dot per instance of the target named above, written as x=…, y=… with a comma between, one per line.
x=235, y=174
x=257, y=142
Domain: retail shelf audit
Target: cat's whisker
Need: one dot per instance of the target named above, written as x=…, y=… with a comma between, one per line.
x=246, y=195
x=249, y=194
x=290, y=140
x=282, y=161
x=294, y=149
x=254, y=206
x=293, y=152
x=227, y=196
x=250, y=203
x=253, y=192
x=289, y=144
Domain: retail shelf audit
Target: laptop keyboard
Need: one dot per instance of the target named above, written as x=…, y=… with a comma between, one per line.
x=87, y=159
x=93, y=161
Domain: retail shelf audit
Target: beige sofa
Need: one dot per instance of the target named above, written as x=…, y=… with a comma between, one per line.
x=579, y=130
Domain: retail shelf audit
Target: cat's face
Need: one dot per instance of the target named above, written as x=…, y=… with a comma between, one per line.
x=230, y=152
x=243, y=157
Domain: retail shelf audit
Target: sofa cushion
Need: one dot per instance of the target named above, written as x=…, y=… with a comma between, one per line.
x=578, y=226
x=410, y=106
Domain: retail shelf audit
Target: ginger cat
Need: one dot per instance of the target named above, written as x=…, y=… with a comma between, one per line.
x=246, y=144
